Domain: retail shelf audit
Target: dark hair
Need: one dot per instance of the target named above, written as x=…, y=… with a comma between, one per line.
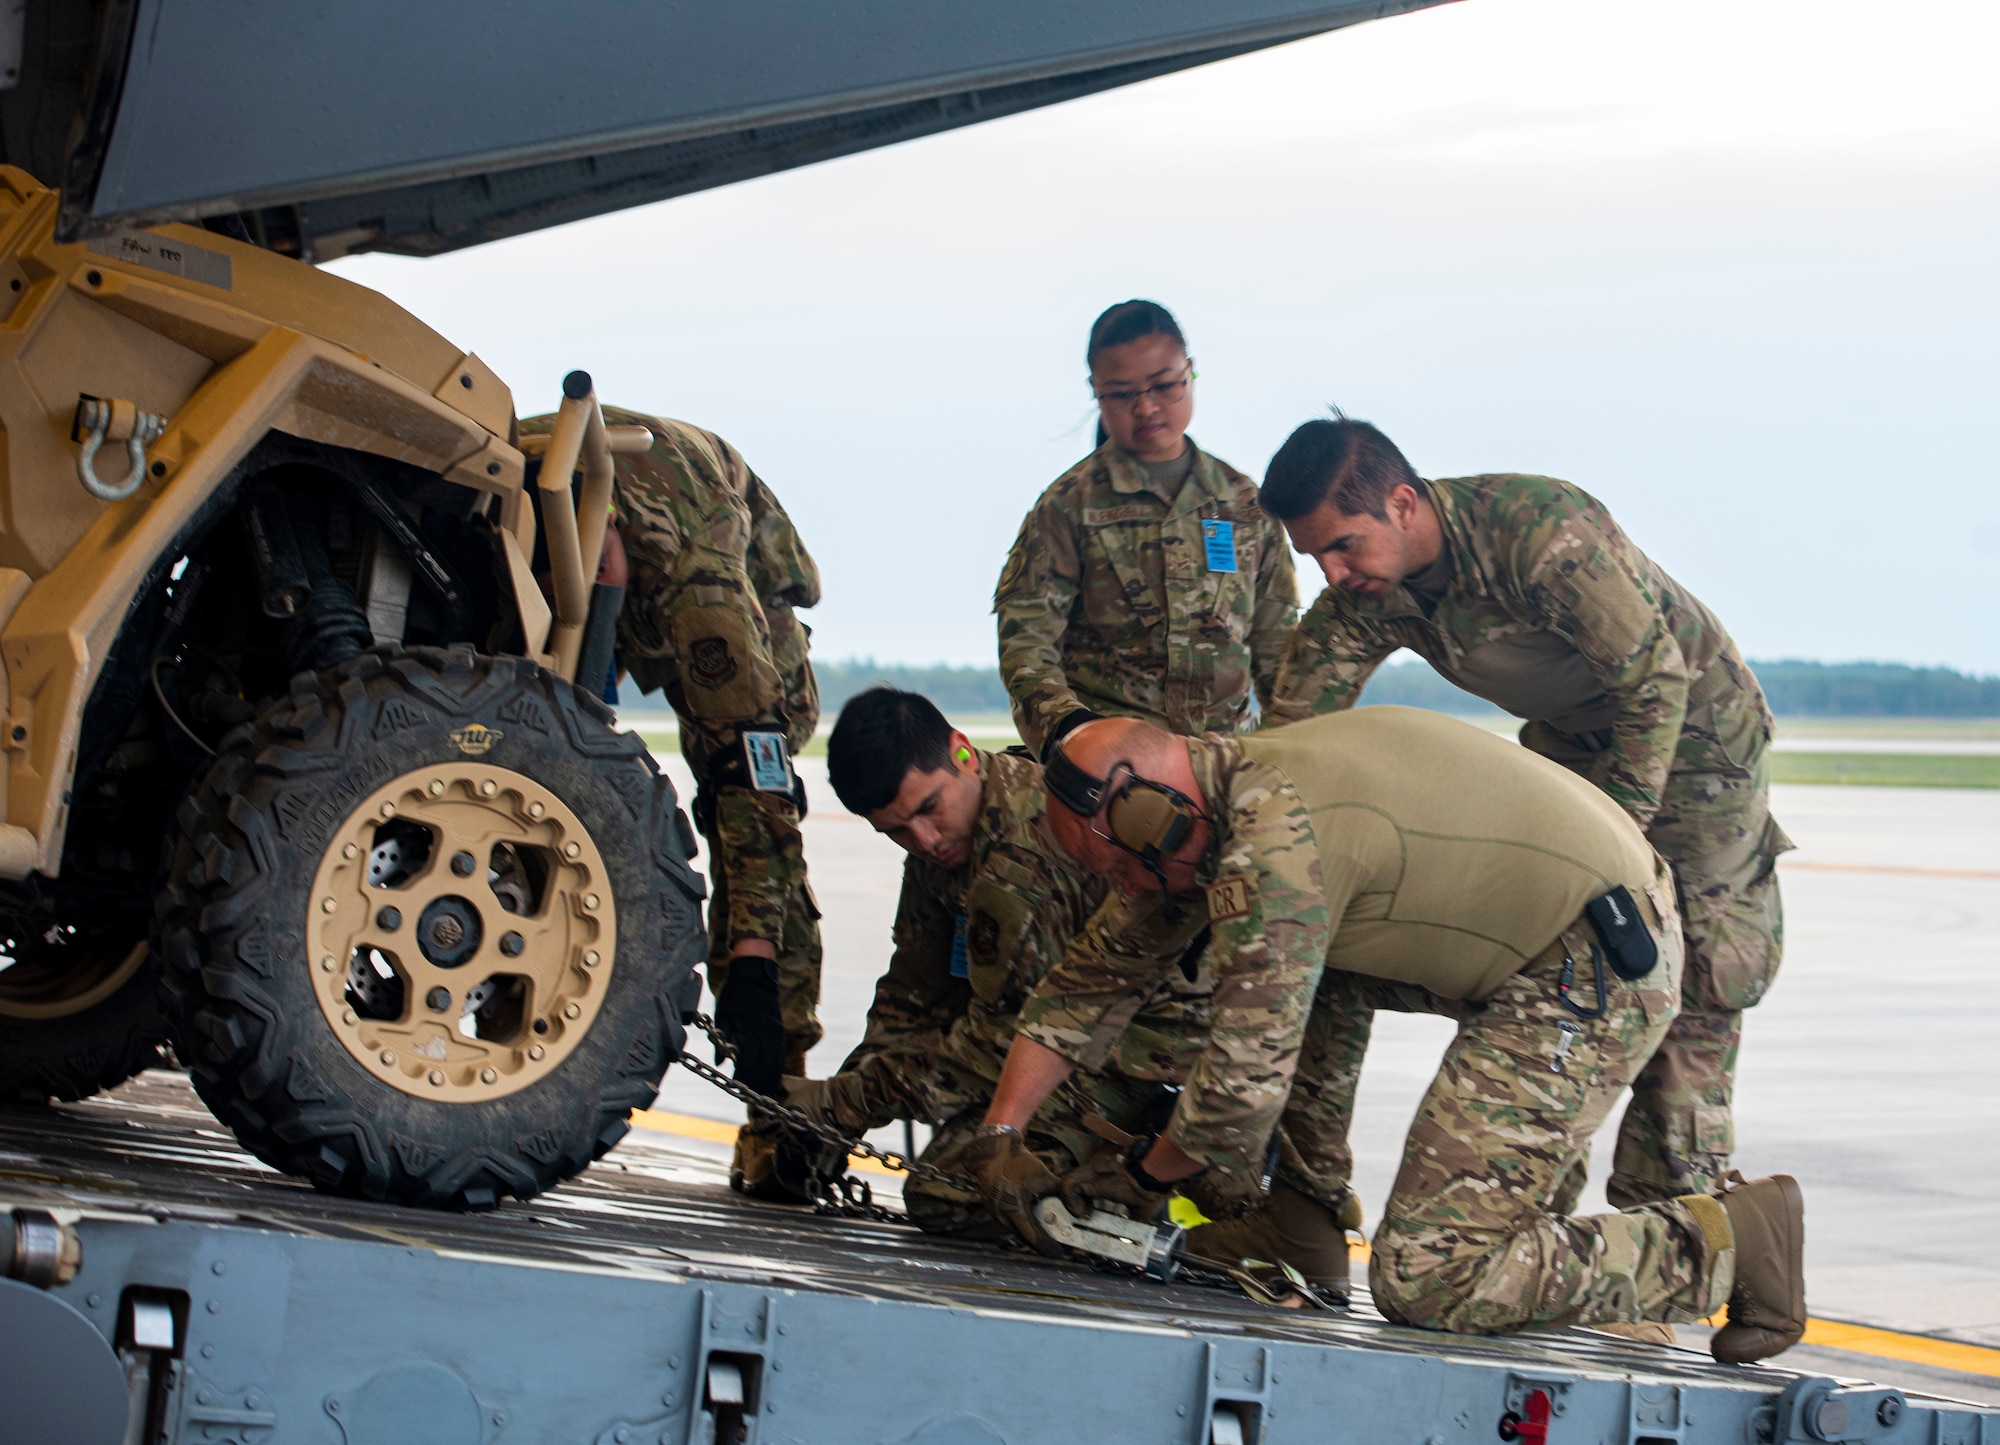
x=1341, y=460
x=882, y=735
x=1129, y=321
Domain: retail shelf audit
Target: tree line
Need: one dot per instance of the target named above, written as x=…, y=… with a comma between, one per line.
x=1795, y=688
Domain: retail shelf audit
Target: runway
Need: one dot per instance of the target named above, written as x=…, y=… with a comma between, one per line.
x=1871, y=1072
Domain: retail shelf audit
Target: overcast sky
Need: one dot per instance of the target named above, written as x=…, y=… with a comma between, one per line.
x=1730, y=266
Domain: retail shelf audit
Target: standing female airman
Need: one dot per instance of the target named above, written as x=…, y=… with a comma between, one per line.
x=1145, y=582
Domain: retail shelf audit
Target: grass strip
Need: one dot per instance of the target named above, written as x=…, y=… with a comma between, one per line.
x=1877, y=770
x=670, y=742
x=1887, y=770
x=664, y=742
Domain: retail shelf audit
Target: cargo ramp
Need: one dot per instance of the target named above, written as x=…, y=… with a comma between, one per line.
x=643, y=1302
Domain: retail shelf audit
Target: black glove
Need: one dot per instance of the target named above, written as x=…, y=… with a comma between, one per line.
x=747, y=1012
x=1070, y=723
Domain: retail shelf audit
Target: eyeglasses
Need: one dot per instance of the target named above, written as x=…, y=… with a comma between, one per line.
x=1163, y=393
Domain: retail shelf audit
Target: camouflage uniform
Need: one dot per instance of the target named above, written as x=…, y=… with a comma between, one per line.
x=1107, y=600
x=936, y=1041
x=1433, y=860
x=1677, y=733
x=716, y=573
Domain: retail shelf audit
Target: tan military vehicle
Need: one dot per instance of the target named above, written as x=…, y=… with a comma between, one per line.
x=295, y=775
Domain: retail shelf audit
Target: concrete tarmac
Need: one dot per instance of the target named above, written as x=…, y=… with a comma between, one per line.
x=1870, y=1072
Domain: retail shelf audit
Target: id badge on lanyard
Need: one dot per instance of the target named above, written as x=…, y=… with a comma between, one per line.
x=769, y=761
x=961, y=963
x=1218, y=538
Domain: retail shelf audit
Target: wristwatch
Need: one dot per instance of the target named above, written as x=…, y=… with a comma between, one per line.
x=987, y=1131
x=1135, y=1166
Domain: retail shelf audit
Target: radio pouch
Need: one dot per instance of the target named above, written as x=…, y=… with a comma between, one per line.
x=1627, y=943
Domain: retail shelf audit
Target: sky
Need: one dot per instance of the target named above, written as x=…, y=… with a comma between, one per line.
x=1729, y=265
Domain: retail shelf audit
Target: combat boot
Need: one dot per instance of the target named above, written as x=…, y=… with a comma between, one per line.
x=765, y=1167
x=1767, y=1304
x=1288, y=1228
x=1646, y=1332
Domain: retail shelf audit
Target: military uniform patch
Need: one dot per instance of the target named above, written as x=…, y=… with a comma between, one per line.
x=1228, y=898
x=982, y=940
x=1112, y=516
x=710, y=662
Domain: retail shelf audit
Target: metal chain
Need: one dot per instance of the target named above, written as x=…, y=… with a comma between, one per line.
x=849, y=1197
x=843, y=1195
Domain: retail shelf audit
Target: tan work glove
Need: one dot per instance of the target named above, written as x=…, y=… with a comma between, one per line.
x=1106, y=1178
x=827, y=1101
x=1012, y=1180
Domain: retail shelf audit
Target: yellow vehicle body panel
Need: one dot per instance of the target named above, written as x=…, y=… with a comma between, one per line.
x=227, y=342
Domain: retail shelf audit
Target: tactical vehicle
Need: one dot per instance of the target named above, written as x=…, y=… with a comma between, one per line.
x=285, y=699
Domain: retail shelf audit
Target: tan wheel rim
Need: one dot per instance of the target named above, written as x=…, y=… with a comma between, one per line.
x=51, y=989
x=424, y=962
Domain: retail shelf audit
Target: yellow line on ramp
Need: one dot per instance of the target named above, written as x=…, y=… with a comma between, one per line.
x=690, y=1126
x=1911, y=1349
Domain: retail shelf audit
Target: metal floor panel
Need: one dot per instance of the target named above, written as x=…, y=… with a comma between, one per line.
x=151, y=1148
x=663, y=1218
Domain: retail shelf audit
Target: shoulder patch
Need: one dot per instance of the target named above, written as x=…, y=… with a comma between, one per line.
x=711, y=663
x=1228, y=898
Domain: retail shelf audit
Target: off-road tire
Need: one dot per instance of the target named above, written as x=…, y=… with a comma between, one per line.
x=254, y=1026
x=68, y=1056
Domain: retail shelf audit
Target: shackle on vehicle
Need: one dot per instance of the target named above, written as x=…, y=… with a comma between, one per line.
x=101, y=419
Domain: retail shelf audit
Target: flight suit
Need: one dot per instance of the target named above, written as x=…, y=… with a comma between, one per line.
x=1632, y=683
x=717, y=571
x=943, y=1017
x=1418, y=852
x=1109, y=600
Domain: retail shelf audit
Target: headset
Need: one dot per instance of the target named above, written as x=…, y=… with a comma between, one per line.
x=1149, y=820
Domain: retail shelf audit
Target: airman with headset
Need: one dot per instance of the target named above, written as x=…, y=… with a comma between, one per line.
x=1388, y=847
